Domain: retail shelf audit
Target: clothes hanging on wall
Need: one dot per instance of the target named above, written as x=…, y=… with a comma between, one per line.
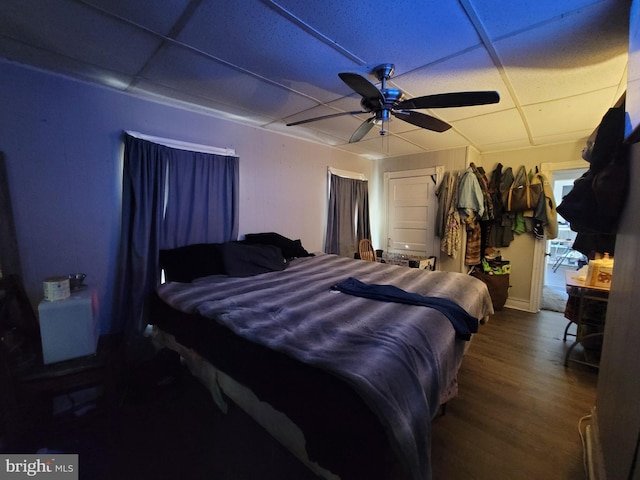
x=448, y=223
x=468, y=199
x=476, y=210
x=500, y=233
x=486, y=194
x=489, y=212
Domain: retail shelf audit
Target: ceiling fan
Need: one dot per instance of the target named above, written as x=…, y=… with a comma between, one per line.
x=384, y=102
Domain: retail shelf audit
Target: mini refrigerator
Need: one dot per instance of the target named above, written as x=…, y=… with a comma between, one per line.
x=68, y=328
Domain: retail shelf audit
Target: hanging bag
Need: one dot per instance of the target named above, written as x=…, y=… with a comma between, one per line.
x=521, y=196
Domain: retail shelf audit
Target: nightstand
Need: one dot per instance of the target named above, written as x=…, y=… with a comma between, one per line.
x=42, y=396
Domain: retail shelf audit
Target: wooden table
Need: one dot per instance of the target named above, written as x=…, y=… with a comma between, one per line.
x=587, y=309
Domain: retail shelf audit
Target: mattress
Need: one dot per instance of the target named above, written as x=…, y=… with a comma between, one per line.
x=368, y=375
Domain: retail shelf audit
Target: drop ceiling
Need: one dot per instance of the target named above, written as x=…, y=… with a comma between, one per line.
x=558, y=65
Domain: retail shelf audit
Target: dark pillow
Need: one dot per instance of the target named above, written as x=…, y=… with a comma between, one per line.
x=290, y=248
x=244, y=260
x=183, y=264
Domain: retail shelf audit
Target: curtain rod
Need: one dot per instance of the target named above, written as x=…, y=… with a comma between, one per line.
x=180, y=145
x=347, y=174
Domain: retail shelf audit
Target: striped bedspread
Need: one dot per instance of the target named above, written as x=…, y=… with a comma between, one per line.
x=399, y=358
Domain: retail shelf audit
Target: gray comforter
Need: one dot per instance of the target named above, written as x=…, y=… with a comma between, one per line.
x=401, y=359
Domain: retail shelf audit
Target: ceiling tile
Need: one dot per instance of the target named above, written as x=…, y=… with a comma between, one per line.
x=505, y=144
x=189, y=71
x=147, y=13
x=472, y=70
x=316, y=136
x=562, y=137
x=379, y=147
x=96, y=40
x=181, y=98
x=482, y=130
x=406, y=33
x=501, y=18
x=320, y=111
x=432, y=141
x=570, y=58
x=469, y=70
x=550, y=118
x=341, y=127
x=26, y=54
x=252, y=36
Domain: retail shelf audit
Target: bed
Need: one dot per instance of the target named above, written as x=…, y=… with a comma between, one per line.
x=344, y=362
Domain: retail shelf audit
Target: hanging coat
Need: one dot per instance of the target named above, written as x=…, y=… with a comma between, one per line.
x=444, y=195
x=452, y=233
x=501, y=233
x=545, y=211
x=470, y=196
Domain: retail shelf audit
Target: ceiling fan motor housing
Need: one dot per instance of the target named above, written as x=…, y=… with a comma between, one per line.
x=385, y=102
x=391, y=97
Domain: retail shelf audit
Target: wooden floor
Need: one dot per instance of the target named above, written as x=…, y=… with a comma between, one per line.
x=517, y=412
x=515, y=417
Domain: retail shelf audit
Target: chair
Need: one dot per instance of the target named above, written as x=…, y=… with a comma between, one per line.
x=365, y=249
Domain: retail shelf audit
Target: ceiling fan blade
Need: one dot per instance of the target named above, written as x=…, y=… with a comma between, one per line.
x=362, y=130
x=422, y=120
x=444, y=100
x=356, y=112
x=361, y=86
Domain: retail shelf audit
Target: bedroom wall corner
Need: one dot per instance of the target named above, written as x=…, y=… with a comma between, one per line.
x=283, y=186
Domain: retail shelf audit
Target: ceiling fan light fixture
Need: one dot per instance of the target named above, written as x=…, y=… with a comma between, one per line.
x=383, y=103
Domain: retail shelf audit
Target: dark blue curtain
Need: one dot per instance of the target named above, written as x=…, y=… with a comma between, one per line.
x=347, y=215
x=170, y=198
x=202, y=200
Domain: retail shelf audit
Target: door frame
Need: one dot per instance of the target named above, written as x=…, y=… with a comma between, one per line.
x=539, y=251
x=433, y=172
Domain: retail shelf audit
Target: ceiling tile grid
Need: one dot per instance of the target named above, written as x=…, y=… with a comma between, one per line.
x=558, y=66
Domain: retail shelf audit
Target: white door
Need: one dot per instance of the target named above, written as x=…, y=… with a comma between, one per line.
x=411, y=209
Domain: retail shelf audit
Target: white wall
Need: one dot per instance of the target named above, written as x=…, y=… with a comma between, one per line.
x=63, y=150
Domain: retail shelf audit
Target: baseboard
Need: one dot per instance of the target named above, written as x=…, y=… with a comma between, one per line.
x=517, y=304
x=595, y=464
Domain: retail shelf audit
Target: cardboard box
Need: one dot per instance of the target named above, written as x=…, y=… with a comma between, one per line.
x=599, y=276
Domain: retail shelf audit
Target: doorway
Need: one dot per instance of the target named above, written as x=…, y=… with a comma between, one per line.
x=559, y=254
